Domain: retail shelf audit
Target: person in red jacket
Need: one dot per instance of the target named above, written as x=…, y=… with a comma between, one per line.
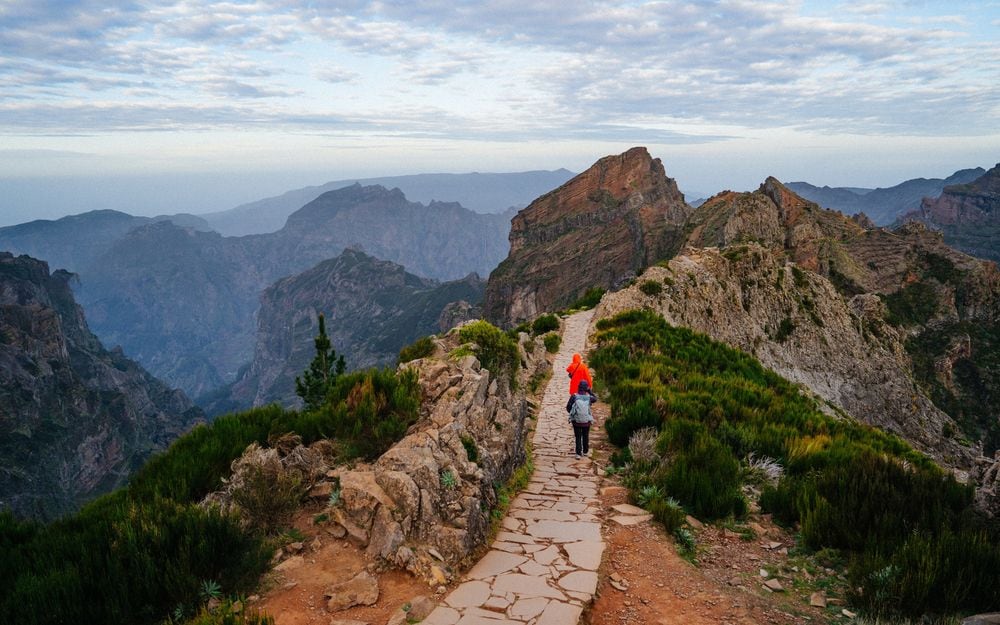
x=577, y=371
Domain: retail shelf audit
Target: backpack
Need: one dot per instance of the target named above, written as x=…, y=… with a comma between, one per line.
x=580, y=412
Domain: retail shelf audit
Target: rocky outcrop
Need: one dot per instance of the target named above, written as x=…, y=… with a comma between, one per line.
x=797, y=323
x=425, y=504
x=967, y=214
x=75, y=419
x=373, y=308
x=598, y=230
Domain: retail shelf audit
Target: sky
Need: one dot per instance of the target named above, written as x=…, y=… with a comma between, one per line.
x=182, y=106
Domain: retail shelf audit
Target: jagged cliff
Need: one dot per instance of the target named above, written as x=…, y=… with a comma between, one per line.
x=837, y=306
x=373, y=309
x=599, y=229
x=967, y=214
x=75, y=419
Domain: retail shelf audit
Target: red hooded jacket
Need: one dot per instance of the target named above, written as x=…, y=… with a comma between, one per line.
x=578, y=371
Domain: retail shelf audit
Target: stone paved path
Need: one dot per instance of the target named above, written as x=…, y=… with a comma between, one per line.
x=542, y=568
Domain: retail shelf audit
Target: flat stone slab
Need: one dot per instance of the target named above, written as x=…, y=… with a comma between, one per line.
x=557, y=613
x=585, y=554
x=627, y=508
x=442, y=615
x=580, y=581
x=468, y=595
x=526, y=609
x=624, y=519
x=494, y=563
x=566, y=531
x=525, y=586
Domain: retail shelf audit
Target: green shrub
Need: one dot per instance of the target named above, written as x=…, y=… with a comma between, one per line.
x=268, y=495
x=552, y=342
x=471, y=451
x=667, y=511
x=592, y=297
x=496, y=351
x=545, y=323
x=421, y=348
x=785, y=329
x=914, y=304
x=651, y=288
x=225, y=615
x=912, y=536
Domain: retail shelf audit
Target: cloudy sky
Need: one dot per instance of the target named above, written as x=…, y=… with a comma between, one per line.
x=222, y=102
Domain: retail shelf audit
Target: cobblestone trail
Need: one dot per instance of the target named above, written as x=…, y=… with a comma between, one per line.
x=542, y=568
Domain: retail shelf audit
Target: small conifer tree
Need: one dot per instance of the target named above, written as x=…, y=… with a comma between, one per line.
x=323, y=371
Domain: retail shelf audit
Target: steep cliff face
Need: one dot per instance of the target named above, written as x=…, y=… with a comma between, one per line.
x=373, y=309
x=75, y=420
x=892, y=327
x=598, y=229
x=179, y=301
x=968, y=215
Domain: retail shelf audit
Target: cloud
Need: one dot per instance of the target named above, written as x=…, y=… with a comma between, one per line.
x=580, y=67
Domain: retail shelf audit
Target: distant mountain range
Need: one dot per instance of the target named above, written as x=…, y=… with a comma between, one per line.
x=75, y=419
x=182, y=301
x=883, y=206
x=481, y=193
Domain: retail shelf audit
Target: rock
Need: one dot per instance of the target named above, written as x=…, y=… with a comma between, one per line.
x=774, y=585
x=434, y=554
x=438, y=575
x=321, y=491
x=336, y=530
x=693, y=522
x=295, y=547
x=362, y=589
x=982, y=619
x=386, y=535
x=618, y=586
x=764, y=573
x=76, y=418
x=293, y=562
x=818, y=599
x=848, y=613
x=626, y=210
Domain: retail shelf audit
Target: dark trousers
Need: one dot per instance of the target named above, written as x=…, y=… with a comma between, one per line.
x=582, y=435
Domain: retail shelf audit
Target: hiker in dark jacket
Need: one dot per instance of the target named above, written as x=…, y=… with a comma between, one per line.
x=581, y=416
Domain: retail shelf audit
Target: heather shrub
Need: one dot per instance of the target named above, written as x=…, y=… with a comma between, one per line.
x=913, y=539
x=545, y=323
x=495, y=350
x=421, y=348
x=552, y=342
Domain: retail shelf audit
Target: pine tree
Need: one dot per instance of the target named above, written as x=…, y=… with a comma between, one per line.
x=323, y=371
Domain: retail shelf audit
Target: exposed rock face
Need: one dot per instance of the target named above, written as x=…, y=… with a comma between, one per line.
x=183, y=302
x=968, y=215
x=796, y=323
x=599, y=229
x=373, y=309
x=425, y=504
x=75, y=420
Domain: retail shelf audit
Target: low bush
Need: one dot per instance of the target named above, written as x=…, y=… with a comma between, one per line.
x=592, y=297
x=421, y=348
x=496, y=351
x=651, y=288
x=545, y=323
x=914, y=540
x=552, y=342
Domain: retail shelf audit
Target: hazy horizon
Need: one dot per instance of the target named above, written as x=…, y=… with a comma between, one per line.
x=214, y=104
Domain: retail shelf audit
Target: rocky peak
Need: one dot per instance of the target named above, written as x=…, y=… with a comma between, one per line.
x=75, y=419
x=373, y=308
x=597, y=230
x=331, y=203
x=977, y=202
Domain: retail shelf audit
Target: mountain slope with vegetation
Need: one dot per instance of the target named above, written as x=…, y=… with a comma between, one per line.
x=915, y=543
